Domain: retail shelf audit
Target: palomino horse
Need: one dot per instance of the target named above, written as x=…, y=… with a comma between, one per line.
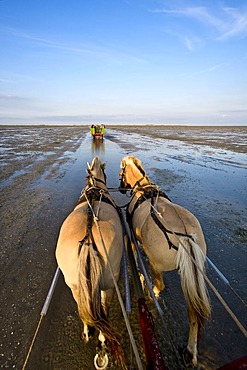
x=172, y=238
x=88, y=248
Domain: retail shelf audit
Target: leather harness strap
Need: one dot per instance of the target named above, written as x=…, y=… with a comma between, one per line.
x=148, y=194
x=151, y=194
x=93, y=194
x=96, y=196
x=89, y=235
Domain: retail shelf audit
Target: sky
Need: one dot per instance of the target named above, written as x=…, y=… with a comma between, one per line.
x=123, y=62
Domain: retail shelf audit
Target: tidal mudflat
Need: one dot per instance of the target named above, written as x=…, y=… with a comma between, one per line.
x=42, y=174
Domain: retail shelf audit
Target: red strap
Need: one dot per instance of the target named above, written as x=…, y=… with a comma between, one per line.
x=239, y=364
x=153, y=355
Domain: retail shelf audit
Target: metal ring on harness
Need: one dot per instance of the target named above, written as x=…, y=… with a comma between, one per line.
x=101, y=363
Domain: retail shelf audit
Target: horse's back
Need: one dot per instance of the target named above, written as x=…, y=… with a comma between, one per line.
x=72, y=231
x=178, y=217
x=176, y=220
x=75, y=228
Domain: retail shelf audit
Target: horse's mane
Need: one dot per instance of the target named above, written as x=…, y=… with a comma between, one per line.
x=137, y=163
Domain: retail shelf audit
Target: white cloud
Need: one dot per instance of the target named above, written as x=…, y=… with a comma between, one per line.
x=192, y=43
x=45, y=42
x=228, y=22
x=238, y=25
x=6, y=80
x=209, y=69
x=105, y=52
x=199, y=13
x=12, y=98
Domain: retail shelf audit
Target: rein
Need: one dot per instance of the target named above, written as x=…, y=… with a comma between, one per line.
x=150, y=193
x=95, y=193
x=90, y=195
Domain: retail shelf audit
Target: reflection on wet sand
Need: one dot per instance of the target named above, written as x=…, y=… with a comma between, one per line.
x=97, y=147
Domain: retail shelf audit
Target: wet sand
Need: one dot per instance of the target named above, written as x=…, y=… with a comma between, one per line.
x=37, y=193
x=230, y=138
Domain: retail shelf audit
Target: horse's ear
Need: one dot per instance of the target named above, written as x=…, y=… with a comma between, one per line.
x=103, y=166
x=88, y=170
x=123, y=163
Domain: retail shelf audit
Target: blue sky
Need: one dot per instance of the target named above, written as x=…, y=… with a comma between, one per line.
x=123, y=61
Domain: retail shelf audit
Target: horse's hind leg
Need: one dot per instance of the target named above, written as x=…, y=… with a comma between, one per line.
x=158, y=282
x=101, y=359
x=85, y=332
x=190, y=353
x=75, y=294
x=106, y=298
x=88, y=332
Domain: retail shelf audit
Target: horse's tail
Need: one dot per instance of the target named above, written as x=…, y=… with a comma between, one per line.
x=190, y=262
x=90, y=308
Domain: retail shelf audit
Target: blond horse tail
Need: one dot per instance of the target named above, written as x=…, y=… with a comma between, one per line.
x=90, y=308
x=190, y=261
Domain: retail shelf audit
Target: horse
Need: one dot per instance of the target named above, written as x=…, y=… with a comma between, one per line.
x=172, y=238
x=88, y=252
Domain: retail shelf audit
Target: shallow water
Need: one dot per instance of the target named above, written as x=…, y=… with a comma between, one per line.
x=215, y=172
x=210, y=182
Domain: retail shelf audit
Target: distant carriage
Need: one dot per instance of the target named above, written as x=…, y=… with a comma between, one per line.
x=97, y=131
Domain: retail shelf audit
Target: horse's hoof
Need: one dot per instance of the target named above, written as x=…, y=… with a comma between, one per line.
x=101, y=362
x=156, y=292
x=188, y=358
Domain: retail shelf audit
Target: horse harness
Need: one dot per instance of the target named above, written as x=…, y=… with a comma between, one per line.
x=90, y=196
x=153, y=193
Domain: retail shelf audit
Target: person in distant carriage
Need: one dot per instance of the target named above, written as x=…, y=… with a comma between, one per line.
x=102, y=126
x=92, y=129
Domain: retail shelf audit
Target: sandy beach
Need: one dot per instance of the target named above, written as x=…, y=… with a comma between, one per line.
x=42, y=174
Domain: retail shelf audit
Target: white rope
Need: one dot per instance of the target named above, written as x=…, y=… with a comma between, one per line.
x=100, y=199
x=32, y=343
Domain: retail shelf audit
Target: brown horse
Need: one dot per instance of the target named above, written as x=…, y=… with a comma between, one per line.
x=172, y=238
x=89, y=251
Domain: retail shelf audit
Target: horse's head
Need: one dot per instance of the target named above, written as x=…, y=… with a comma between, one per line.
x=131, y=173
x=96, y=172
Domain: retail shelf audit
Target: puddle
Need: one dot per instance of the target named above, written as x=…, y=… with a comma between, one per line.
x=70, y=176
x=10, y=179
x=220, y=175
